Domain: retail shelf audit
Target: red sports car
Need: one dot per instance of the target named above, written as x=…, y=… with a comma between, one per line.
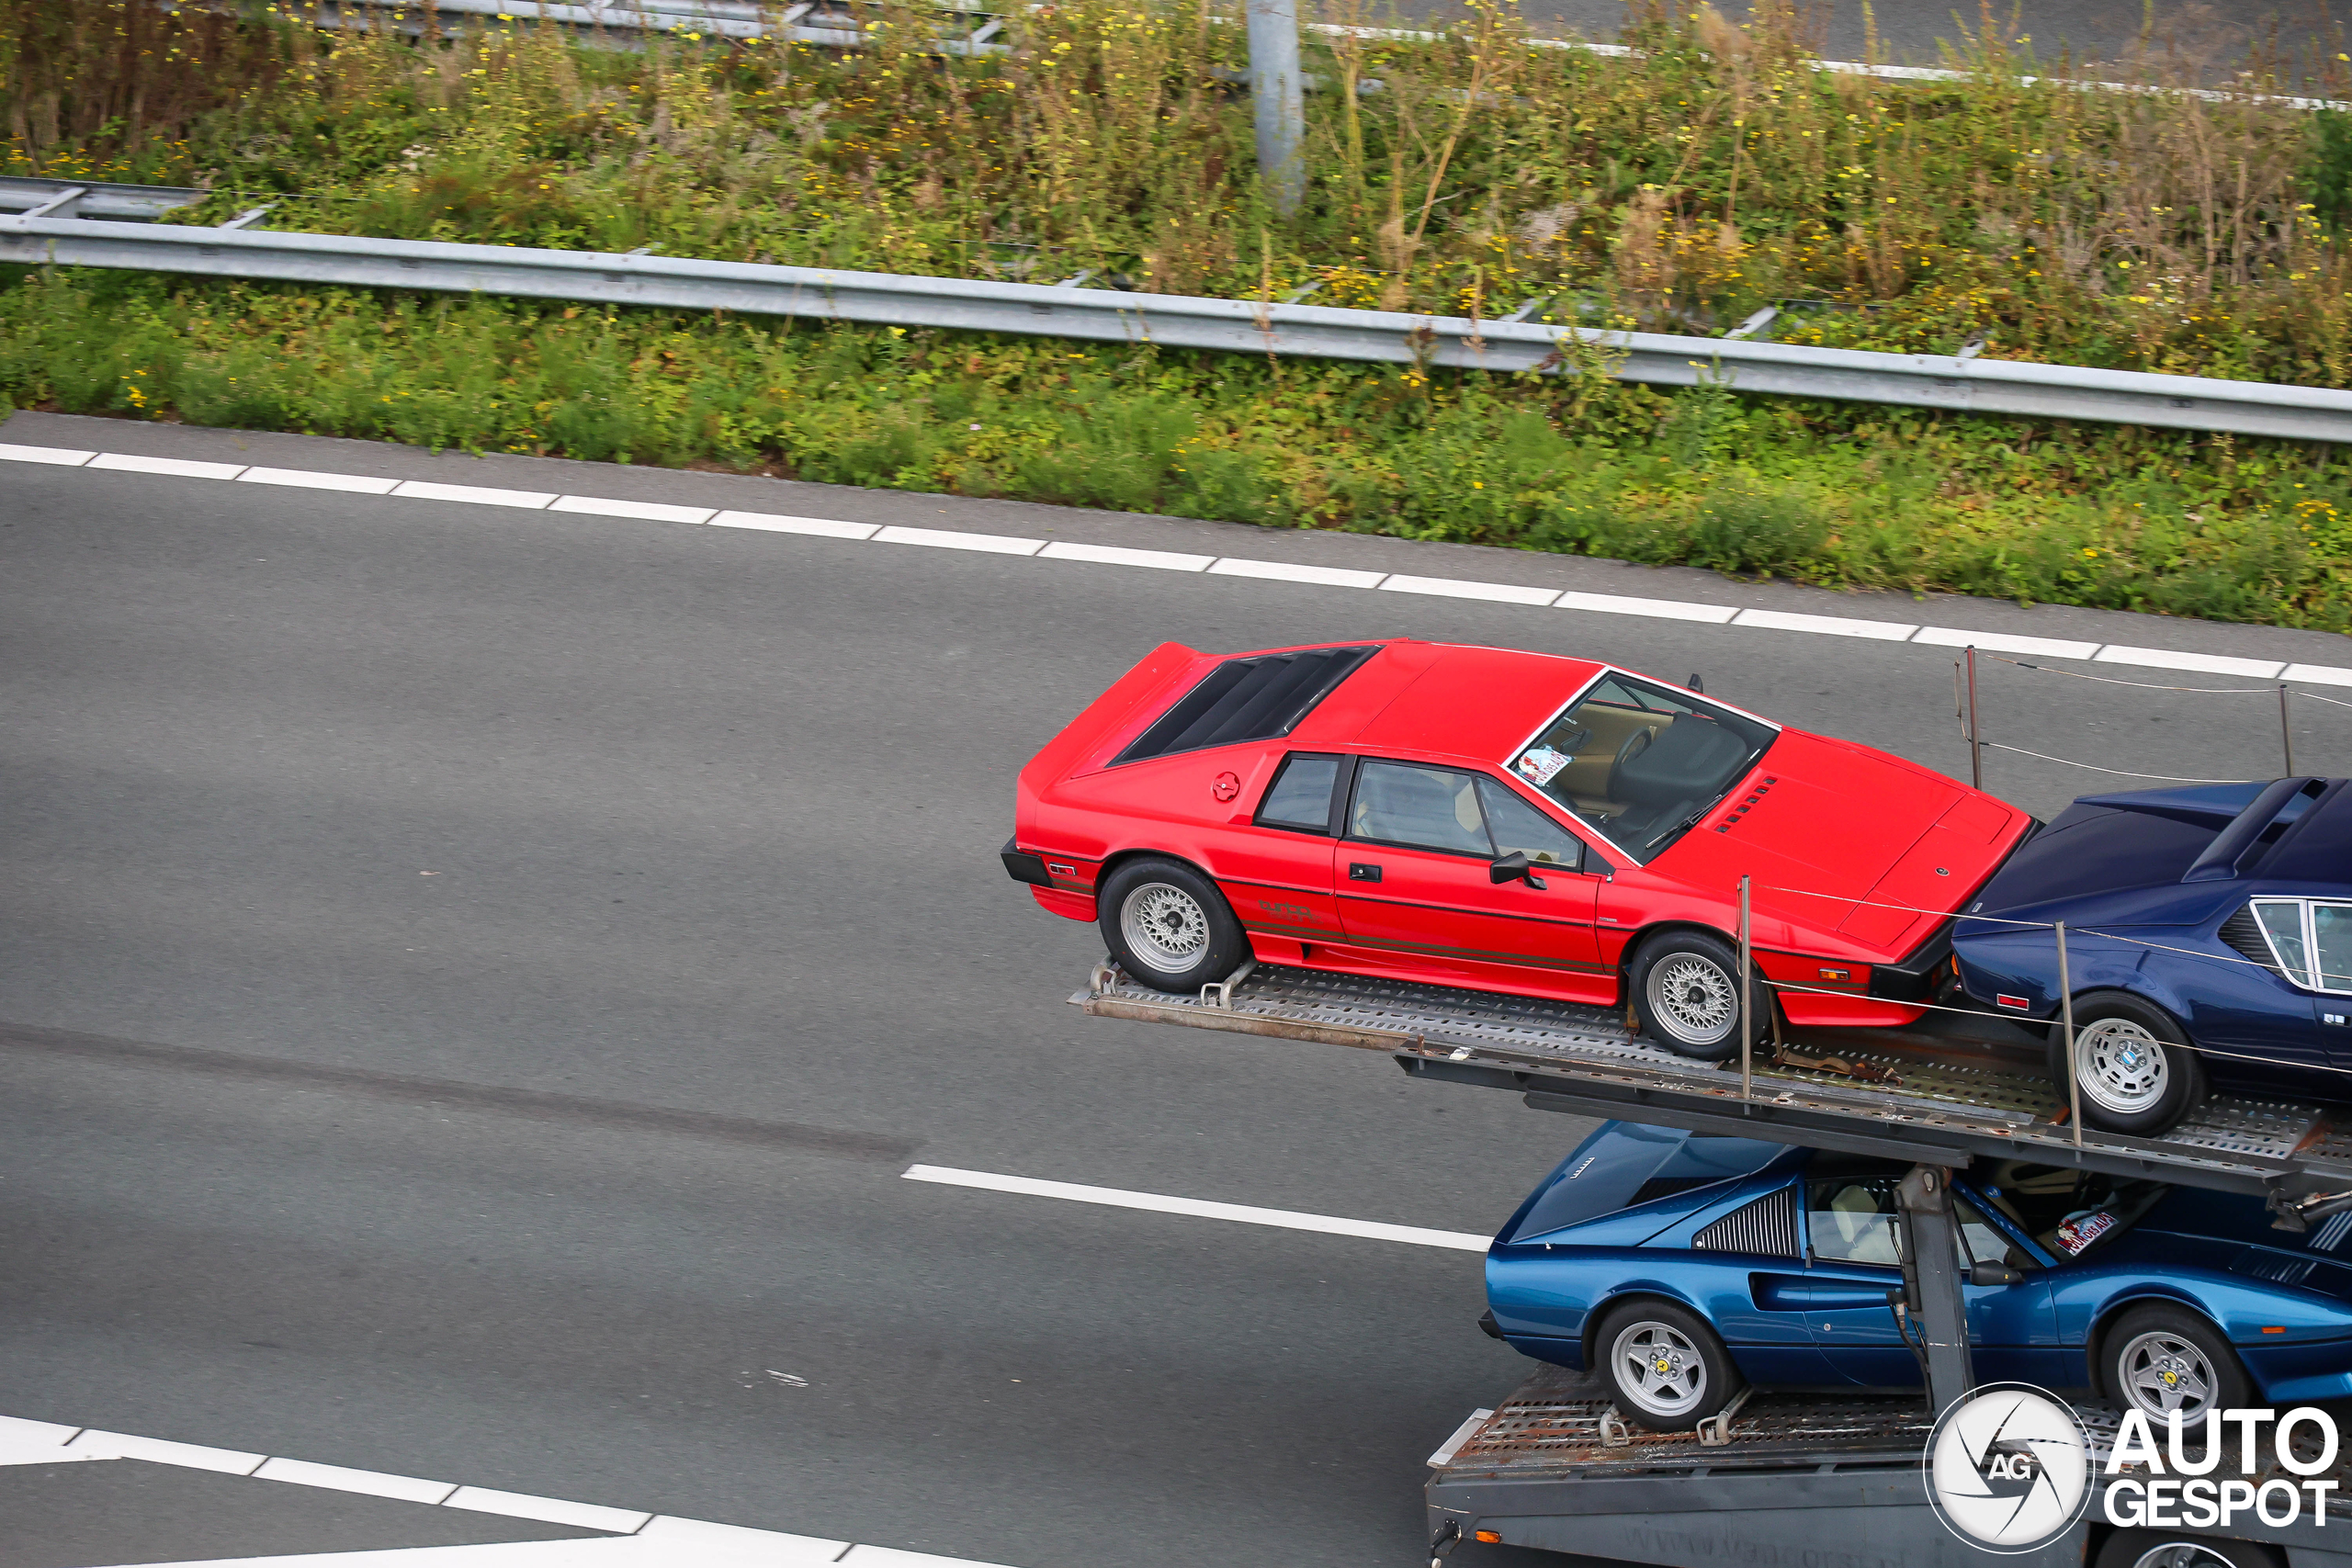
x=1503, y=821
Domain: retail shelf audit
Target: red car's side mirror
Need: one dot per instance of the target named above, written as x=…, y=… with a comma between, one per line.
x=1514, y=867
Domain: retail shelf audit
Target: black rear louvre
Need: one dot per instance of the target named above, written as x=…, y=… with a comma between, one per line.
x=1248, y=699
x=1767, y=1227
x=2243, y=932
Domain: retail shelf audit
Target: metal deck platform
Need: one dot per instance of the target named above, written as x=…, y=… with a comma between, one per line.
x=1933, y=1099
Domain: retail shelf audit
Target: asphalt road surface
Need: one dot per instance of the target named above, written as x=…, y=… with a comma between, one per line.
x=472, y=980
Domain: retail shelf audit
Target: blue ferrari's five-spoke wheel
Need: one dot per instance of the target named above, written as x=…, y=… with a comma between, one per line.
x=1660, y=1368
x=2163, y=1372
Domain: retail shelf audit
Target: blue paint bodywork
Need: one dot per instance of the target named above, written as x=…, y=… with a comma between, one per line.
x=2147, y=882
x=1618, y=1217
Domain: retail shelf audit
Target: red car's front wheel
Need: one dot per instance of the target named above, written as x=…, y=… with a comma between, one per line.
x=1686, y=993
x=1169, y=926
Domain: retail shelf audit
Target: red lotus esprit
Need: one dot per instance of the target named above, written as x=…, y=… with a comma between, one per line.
x=1503, y=821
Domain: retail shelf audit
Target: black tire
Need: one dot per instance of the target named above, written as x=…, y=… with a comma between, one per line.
x=1696, y=976
x=1702, y=1380
x=2157, y=1340
x=2139, y=1074
x=2172, y=1549
x=1189, y=916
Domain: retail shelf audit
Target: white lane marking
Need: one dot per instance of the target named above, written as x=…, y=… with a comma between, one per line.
x=372, y=1482
x=644, y=510
x=1118, y=555
x=2207, y=663
x=477, y=495
x=957, y=539
x=892, y=1557
x=1290, y=572
x=1665, y=609
x=1245, y=1213
x=1457, y=588
x=603, y=1552
x=157, y=1450
x=47, y=1443
x=1276, y=571
x=2001, y=642
x=63, y=457
x=549, y=1510
x=178, y=467
x=1829, y=626
x=311, y=479
x=774, y=522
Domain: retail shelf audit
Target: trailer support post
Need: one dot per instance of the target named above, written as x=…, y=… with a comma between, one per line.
x=1931, y=1254
x=2286, y=732
x=1746, y=999
x=1976, y=747
x=2066, y=1024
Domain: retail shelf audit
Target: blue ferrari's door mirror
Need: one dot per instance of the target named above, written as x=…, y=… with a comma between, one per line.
x=1993, y=1274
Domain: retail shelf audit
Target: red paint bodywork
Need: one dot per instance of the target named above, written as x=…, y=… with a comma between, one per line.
x=1842, y=832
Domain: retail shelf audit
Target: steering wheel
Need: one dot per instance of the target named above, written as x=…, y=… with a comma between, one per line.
x=1635, y=744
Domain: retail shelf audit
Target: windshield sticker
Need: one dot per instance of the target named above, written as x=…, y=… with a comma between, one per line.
x=1540, y=764
x=2079, y=1232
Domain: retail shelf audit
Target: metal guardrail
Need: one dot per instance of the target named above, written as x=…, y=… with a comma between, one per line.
x=1957, y=383
x=19, y=193
x=812, y=22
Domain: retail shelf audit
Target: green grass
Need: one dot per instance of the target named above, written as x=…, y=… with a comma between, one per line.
x=1676, y=189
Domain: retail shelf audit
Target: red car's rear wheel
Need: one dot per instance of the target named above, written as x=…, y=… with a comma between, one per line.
x=1167, y=925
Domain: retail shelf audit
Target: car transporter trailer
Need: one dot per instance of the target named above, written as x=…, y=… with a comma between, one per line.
x=1783, y=1480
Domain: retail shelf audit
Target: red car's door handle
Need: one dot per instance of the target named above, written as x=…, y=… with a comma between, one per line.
x=1359, y=872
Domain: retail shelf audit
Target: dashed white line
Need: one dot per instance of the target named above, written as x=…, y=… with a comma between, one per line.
x=775, y=523
x=2206, y=663
x=1456, y=588
x=1825, y=626
x=642, y=511
x=1119, y=555
x=956, y=539
x=474, y=495
x=178, y=467
x=312, y=479
x=1628, y=605
x=640, y=1539
x=1172, y=561
x=1159, y=1203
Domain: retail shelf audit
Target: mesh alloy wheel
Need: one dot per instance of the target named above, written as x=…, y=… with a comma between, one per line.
x=2161, y=1371
x=1660, y=1368
x=1164, y=926
x=2122, y=1067
x=1692, y=999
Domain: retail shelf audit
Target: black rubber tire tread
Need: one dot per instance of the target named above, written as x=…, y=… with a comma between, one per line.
x=2187, y=1091
x=1227, y=947
x=2125, y=1548
x=1655, y=948
x=1724, y=1382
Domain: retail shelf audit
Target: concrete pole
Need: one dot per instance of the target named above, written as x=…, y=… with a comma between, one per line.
x=1273, y=92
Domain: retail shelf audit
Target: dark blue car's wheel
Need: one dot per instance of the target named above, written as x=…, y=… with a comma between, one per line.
x=1665, y=1366
x=2132, y=1064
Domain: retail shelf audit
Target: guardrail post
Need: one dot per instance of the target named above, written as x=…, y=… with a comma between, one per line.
x=1275, y=98
x=1747, y=998
x=1976, y=747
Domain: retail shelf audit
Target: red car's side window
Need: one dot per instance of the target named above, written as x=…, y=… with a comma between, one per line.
x=1300, y=798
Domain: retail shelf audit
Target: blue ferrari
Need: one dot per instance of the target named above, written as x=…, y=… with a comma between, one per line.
x=2210, y=936
x=1682, y=1267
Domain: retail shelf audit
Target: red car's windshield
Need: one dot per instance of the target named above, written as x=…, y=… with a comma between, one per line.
x=1642, y=764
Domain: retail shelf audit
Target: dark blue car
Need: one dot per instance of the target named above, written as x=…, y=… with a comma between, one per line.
x=2209, y=936
x=1682, y=1267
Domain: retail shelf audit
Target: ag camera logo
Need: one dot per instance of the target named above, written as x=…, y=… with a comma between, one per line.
x=2009, y=1468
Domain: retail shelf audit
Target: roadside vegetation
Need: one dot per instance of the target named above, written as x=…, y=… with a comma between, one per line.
x=1677, y=187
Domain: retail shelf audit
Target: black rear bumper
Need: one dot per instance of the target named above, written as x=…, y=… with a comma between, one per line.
x=1032, y=870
